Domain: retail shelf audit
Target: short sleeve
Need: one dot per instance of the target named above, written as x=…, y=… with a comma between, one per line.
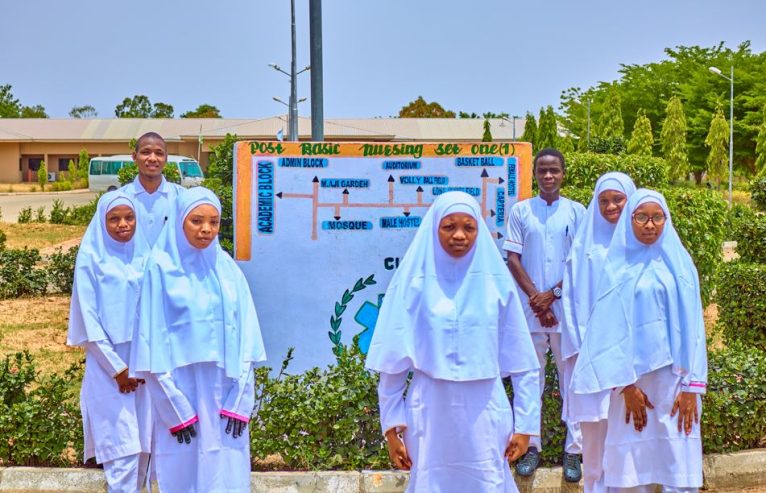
x=515, y=231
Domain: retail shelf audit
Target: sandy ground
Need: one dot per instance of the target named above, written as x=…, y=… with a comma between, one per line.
x=38, y=325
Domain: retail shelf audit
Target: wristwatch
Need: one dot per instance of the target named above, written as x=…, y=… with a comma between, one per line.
x=556, y=292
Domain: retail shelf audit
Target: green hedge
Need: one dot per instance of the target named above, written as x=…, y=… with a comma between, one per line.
x=328, y=418
x=758, y=192
x=748, y=229
x=23, y=273
x=700, y=217
x=584, y=169
x=734, y=409
x=741, y=298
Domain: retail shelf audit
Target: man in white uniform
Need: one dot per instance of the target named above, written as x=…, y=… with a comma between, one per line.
x=155, y=197
x=540, y=234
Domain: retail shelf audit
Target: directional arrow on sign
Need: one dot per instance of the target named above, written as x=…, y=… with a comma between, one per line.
x=279, y=195
x=315, y=180
x=492, y=213
x=499, y=236
x=484, y=173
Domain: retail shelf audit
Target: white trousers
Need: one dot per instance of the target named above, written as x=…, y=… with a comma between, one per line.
x=552, y=340
x=650, y=488
x=126, y=474
x=593, y=439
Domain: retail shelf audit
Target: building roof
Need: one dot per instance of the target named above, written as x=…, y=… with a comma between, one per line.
x=184, y=129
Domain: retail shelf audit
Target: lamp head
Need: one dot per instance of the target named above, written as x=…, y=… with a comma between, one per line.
x=715, y=70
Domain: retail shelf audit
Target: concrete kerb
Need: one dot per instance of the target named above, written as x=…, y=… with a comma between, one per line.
x=722, y=471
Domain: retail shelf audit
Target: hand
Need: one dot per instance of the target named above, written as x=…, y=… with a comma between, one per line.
x=397, y=451
x=517, y=446
x=686, y=407
x=185, y=434
x=125, y=383
x=636, y=403
x=541, y=301
x=234, y=427
x=547, y=319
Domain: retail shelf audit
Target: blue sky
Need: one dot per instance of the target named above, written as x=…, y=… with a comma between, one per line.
x=477, y=56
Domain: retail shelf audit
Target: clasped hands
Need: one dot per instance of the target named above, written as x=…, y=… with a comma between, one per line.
x=400, y=458
x=541, y=302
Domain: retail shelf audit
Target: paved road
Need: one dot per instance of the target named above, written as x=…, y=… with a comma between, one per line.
x=11, y=204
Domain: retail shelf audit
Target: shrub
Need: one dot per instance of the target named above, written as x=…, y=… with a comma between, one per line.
x=584, y=168
x=58, y=212
x=612, y=145
x=82, y=214
x=42, y=175
x=61, y=186
x=749, y=231
x=40, y=418
x=741, y=298
x=758, y=192
x=40, y=215
x=699, y=217
x=25, y=215
x=701, y=220
x=60, y=269
x=321, y=419
x=3, y=238
x=734, y=408
x=19, y=275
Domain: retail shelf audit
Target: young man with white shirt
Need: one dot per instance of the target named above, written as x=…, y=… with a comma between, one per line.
x=540, y=234
x=155, y=196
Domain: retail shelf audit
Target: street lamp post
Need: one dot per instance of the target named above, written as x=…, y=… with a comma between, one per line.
x=292, y=105
x=717, y=71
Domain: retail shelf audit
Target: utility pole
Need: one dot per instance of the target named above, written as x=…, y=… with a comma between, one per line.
x=293, y=80
x=317, y=98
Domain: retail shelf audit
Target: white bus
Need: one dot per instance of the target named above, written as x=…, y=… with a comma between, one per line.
x=102, y=173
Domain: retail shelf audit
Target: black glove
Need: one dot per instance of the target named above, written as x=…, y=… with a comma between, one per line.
x=235, y=427
x=185, y=434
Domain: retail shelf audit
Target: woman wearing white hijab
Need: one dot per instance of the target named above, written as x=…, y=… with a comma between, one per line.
x=452, y=316
x=653, y=354
x=116, y=412
x=197, y=339
x=583, y=270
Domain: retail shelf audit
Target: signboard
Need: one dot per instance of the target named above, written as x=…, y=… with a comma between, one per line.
x=320, y=228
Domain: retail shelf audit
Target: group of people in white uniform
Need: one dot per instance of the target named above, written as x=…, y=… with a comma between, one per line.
x=610, y=290
x=171, y=336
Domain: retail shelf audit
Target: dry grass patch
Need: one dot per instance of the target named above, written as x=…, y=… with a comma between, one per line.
x=38, y=325
x=40, y=235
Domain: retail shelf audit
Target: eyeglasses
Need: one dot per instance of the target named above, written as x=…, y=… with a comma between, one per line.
x=642, y=219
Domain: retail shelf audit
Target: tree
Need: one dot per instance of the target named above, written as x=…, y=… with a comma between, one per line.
x=85, y=111
x=641, y=140
x=717, y=141
x=162, y=110
x=9, y=106
x=487, y=137
x=42, y=175
x=547, y=130
x=36, y=111
x=760, y=146
x=83, y=163
x=566, y=145
x=203, y=111
x=422, y=109
x=610, y=124
x=530, y=129
x=139, y=106
x=673, y=139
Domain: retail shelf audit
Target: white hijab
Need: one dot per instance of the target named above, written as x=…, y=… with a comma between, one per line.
x=619, y=353
x=586, y=262
x=107, y=280
x=455, y=319
x=195, y=304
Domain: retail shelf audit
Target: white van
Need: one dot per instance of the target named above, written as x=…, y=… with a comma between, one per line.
x=102, y=173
